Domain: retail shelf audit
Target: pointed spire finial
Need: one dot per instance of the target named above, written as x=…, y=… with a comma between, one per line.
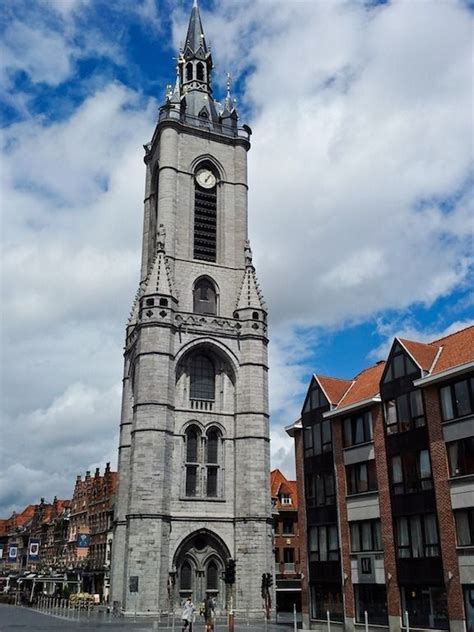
x=248, y=254
x=161, y=238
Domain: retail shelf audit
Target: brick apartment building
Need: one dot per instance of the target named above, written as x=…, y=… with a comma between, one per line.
x=385, y=470
x=286, y=542
x=90, y=523
x=73, y=537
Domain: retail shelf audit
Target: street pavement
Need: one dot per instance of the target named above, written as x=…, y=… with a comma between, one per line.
x=17, y=618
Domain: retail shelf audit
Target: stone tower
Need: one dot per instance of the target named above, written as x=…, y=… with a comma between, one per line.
x=194, y=462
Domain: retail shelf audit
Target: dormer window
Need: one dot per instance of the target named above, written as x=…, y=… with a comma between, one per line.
x=285, y=499
x=400, y=365
x=315, y=399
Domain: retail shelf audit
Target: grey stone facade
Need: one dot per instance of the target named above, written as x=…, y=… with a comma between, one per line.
x=167, y=519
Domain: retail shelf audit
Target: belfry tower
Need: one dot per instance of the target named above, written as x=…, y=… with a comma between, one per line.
x=194, y=460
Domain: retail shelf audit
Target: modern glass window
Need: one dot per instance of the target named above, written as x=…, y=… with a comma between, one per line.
x=204, y=297
x=417, y=536
x=358, y=429
x=457, y=400
x=465, y=526
x=327, y=598
x=361, y=477
x=400, y=365
x=315, y=399
x=411, y=472
x=320, y=489
x=461, y=457
x=404, y=413
x=317, y=438
x=371, y=598
x=202, y=378
x=366, y=536
x=323, y=543
x=427, y=606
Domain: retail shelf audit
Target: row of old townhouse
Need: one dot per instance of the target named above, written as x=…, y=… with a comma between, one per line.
x=385, y=477
x=48, y=546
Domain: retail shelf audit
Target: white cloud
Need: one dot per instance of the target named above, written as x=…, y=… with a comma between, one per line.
x=362, y=129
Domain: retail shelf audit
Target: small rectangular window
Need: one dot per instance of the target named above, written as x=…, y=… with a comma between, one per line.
x=323, y=543
x=465, y=526
x=457, y=400
x=361, y=477
x=358, y=429
x=461, y=457
x=417, y=536
x=365, y=536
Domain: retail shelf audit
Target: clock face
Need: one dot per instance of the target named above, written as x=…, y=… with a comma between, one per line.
x=206, y=179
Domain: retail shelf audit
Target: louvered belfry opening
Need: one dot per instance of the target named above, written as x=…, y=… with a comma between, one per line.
x=205, y=223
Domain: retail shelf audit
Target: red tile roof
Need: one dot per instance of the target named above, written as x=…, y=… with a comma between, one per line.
x=439, y=355
x=423, y=354
x=456, y=349
x=280, y=484
x=364, y=386
x=333, y=387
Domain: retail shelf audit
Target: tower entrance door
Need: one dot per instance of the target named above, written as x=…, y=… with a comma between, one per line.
x=200, y=563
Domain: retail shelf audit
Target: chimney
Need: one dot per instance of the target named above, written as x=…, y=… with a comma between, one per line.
x=97, y=472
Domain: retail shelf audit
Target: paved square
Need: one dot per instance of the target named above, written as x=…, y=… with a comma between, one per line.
x=13, y=619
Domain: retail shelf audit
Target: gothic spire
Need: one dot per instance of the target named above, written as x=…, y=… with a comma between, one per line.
x=195, y=38
x=250, y=293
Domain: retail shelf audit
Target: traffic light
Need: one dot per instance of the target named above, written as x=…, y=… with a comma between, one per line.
x=264, y=585
x=230, y=571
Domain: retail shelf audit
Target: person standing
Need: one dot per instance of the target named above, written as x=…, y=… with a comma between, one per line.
x=188, y=615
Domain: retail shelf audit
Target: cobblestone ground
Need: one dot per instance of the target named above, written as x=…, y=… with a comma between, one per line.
x=16, y=619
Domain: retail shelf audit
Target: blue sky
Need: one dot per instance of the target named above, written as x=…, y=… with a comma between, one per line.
x=360, y=203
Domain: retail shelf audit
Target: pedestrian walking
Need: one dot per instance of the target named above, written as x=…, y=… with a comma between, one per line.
x=188, y=615
x=209, y=613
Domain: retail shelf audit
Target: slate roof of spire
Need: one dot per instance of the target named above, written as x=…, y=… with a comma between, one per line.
x=195, y=38
x=250, y=293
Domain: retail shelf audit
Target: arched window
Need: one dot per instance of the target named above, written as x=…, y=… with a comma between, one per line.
x=200, y=71
x=204, y=297
x=185, y=577
x=202, y=378
x=212, y=462
x=212, y=576
x=189, y=71
x=192, y=461
x=205, y=215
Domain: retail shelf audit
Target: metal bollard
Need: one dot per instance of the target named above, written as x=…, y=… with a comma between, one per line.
x=329, y=620
x=295, y=621
x=366, y=619
x=407, y=621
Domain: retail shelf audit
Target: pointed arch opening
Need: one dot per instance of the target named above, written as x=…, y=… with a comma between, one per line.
x=192, y=461
x=203, y=555
x=200, y=71
x=205, y=297
x=205, y=212
x=202, y=378
x=189, y=71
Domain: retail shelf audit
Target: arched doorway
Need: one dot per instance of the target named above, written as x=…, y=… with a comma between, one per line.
x=199, y=563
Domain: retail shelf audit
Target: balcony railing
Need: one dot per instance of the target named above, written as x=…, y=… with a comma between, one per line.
x=201, y=404
x=225, y=129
